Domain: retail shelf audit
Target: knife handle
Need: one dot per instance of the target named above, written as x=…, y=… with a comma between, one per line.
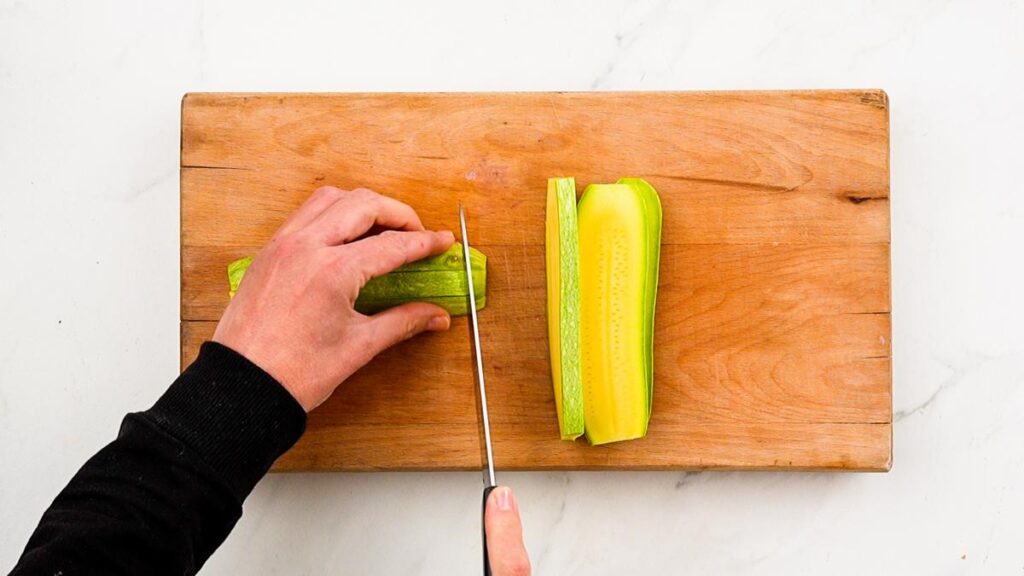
x=483, y=529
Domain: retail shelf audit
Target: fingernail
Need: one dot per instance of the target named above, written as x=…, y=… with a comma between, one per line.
x=504, y=498
x=448, y=235
x=438, y=323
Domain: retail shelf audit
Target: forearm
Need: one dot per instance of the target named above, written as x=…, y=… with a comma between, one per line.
x=164, y=495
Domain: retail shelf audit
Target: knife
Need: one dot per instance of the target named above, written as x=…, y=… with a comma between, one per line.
x=489, y=483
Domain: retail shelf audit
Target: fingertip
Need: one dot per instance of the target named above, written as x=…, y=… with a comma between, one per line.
x=439, y=323
x=505, y=548
x=501, y=500
x=414, y=224
x=439, y=240
x=447, y=238
x=407, y=320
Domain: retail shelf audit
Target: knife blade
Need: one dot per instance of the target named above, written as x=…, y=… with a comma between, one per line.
x=489, y=481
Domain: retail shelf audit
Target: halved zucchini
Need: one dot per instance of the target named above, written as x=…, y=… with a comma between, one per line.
x=620, y=236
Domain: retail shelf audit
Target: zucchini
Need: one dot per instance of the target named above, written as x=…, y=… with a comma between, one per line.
x=618, y=254
x=563, y=304
x=236, y=271
x=439, y=279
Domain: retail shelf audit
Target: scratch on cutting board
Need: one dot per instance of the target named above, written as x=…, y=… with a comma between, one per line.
x=508, y=268
x=554, y=110
x=487, y=173
x=734, y=183
x=524, y=258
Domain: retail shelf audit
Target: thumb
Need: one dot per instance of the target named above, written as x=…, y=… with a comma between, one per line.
x=400, y=323
x=505, y=548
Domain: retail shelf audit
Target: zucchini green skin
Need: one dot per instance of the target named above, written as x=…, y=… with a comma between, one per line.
x=653, y=217
x=439, y=280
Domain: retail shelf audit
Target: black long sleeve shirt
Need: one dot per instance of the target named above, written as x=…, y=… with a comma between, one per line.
x=163, y=496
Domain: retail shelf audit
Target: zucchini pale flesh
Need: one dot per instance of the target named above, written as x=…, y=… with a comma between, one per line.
x=439, y=279
x=563, y=304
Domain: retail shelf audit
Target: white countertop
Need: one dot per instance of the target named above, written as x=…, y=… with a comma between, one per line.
x=89, y=104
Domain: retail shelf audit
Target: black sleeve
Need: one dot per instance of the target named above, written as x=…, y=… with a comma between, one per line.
x=163, y=496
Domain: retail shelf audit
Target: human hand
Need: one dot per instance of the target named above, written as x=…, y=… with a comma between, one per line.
x=505, y=548
x=293, y=316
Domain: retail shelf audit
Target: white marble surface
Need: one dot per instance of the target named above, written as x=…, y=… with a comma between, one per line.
x=89, y=103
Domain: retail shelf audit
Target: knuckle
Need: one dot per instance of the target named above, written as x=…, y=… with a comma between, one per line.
x=364, y=194
x=406, y=241
x=328, y=191
x=345, y=267
x=412, y=328
x=367, y=343
x=287, y=247
x=392, y=238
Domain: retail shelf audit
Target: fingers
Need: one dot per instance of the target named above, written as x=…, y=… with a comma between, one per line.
x=400, y=323
x=505, y=547
x=359, y=210
x=380, y=254
x=321, y=199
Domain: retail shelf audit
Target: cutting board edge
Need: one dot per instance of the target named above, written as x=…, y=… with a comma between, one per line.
x=875, y=96
x=882, y=466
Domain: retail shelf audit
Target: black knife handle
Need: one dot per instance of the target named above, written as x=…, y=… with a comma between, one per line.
x=483, y=529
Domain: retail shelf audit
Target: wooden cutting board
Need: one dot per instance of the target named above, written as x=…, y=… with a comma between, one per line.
x=772, y=345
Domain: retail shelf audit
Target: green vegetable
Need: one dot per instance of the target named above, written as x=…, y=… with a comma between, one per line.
x=563, y=304
x=236, y=270
x=439, y=279
x=619, y=232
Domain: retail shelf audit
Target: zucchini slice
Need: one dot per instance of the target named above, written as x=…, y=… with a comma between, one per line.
x=563, y=304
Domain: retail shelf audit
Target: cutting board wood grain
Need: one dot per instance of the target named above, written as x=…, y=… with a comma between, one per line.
x=772, y=343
